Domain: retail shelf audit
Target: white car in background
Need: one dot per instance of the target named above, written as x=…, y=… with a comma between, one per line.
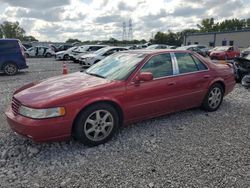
x=64, y=55
x=88, y=60
x=39, y=51
x=81, y=50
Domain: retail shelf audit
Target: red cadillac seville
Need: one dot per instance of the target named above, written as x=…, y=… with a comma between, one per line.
x=121, y=89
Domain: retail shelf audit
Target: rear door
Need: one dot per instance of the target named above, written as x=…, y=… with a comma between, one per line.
x=192, y=80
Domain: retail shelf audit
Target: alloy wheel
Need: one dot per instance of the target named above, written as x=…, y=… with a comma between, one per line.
x=215, y=97
x=98, y=125
x=10, y=69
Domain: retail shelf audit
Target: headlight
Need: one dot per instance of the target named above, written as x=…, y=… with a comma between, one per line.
x=41, y=113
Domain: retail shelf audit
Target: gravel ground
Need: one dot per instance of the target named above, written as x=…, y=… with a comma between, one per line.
x=186, y=149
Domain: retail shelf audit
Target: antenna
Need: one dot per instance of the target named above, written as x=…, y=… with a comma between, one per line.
x=130, y=30
x=124, y=33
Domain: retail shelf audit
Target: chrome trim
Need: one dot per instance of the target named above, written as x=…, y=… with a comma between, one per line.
x=174, y=64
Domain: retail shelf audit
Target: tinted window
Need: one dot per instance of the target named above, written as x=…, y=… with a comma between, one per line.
x=7, y=44
x=95, y=48
x=159, y=66
x=186, y=63
x=200, y=65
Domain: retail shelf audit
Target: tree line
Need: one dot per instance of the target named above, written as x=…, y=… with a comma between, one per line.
x=14, y=30
x=206, y=25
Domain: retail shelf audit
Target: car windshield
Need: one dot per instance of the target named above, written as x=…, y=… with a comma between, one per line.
x=117, y=66
x=101, y=51
x=222, y=48
x=81, y=49
x=247, y=57
x=152, y=47
x=72, y=48
x=182, y=48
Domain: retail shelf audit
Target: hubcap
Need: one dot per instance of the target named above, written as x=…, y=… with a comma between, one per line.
x=98, y=125
x=10, y=69
x=215, y=97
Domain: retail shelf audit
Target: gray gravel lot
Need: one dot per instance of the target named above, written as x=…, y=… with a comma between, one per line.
x=186, y=149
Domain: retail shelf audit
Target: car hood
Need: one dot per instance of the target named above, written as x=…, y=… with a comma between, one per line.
x=61, y=52
x=60, y=88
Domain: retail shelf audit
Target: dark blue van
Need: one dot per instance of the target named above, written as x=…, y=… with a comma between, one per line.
x=12, y=56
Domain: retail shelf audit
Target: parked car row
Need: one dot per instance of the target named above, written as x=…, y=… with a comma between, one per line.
x=39, y=51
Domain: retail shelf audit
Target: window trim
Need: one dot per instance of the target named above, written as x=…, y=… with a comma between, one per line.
x=175, y=67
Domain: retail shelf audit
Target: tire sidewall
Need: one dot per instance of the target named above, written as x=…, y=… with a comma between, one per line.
x=78, y=129
x=48, y=55
x=16, y=69
x=66, y=57
x=205, y=104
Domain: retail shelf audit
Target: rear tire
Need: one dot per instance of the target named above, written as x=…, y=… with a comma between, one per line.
x=96, y=124
x=213, y=98
x=48, y=55
x=10, y=69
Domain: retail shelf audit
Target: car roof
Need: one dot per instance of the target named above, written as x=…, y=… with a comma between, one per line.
x=17, y=40
x=155, y=51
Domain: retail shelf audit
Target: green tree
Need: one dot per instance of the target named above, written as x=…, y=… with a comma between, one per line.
x=72, y=40
x=248, y=22
x=207, y=25
x=12, y=30
x=29, y=39
x=1, y=34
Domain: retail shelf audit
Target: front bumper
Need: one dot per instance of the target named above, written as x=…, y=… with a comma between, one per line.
x=53, y=129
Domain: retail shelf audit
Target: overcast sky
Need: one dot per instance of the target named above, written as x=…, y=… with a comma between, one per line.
x=58, y=20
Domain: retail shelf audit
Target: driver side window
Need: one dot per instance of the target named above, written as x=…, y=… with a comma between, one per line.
x=159, y=66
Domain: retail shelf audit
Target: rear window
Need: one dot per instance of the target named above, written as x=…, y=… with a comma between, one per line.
x=200, y=65
x=186, y=63
x=7, y=45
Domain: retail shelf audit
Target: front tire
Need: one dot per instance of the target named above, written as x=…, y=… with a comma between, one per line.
x=10, y=69
x=96, y=124
x=213, y=98
x=66, y=57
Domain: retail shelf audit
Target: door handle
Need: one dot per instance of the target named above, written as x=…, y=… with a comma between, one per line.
x=171, y=83
x=207, y=76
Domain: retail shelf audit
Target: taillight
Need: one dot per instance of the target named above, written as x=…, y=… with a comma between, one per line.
x=22, y=51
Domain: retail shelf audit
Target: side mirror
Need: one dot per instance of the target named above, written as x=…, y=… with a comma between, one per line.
x=144, y=76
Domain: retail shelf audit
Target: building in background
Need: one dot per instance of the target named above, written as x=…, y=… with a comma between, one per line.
x=238, y=38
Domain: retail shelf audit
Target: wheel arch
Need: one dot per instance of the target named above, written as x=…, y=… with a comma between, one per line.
x=219, y=81
x=7, y=62
x=106, y=101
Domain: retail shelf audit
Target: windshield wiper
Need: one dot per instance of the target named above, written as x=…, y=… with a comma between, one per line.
x=93, y=74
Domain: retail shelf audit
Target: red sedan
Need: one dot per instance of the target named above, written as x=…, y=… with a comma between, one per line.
x=224, y=52
x=121, y=89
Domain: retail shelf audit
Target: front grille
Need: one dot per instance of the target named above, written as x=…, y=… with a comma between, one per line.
x=15, y=105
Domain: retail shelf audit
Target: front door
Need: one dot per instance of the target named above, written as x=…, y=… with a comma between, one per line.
x=152, y=98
